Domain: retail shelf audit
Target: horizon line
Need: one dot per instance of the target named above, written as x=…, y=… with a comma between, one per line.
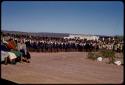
x=66, y=33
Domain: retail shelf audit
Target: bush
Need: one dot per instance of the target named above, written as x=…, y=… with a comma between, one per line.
x=92, y=56
x=109, y=54
x=104, y=53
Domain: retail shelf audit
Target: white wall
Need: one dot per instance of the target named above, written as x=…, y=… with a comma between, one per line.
x=88, y=37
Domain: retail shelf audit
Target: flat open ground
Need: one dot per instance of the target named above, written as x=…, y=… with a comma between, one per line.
x=62, y=67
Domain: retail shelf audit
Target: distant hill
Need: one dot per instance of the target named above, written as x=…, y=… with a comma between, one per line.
x=42, y=34
x=48, y=34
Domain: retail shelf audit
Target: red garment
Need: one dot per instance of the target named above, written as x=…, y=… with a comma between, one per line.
x=11, y=45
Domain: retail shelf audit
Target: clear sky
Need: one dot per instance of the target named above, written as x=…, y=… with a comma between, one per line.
x=79, y=17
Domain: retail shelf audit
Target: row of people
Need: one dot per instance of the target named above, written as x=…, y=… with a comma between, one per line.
x=49, y=46
x=66, y=45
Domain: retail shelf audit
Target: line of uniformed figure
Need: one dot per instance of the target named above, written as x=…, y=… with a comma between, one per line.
x=38, y=44
x=49, y=46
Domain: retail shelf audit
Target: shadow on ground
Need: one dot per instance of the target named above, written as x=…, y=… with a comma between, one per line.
x=7, y=82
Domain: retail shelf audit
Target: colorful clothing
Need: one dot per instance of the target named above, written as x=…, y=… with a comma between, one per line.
x=17, y=53
x=12, y=55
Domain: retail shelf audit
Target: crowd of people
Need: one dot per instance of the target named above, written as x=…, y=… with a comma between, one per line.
x=14, y=51
x=17, y=47
x=72, y=45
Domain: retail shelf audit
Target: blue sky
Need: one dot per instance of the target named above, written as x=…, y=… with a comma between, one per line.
x=82, y=17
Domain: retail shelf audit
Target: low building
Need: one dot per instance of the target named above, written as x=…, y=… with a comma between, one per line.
x=78, y=36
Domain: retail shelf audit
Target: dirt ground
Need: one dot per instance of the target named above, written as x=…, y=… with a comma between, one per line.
x=62, y=68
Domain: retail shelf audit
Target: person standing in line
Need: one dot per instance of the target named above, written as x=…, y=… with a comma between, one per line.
x=22, y=48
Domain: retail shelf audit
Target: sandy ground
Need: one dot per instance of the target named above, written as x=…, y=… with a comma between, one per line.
x=62, y=68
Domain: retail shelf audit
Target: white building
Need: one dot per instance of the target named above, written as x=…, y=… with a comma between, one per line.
x=78, y=36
